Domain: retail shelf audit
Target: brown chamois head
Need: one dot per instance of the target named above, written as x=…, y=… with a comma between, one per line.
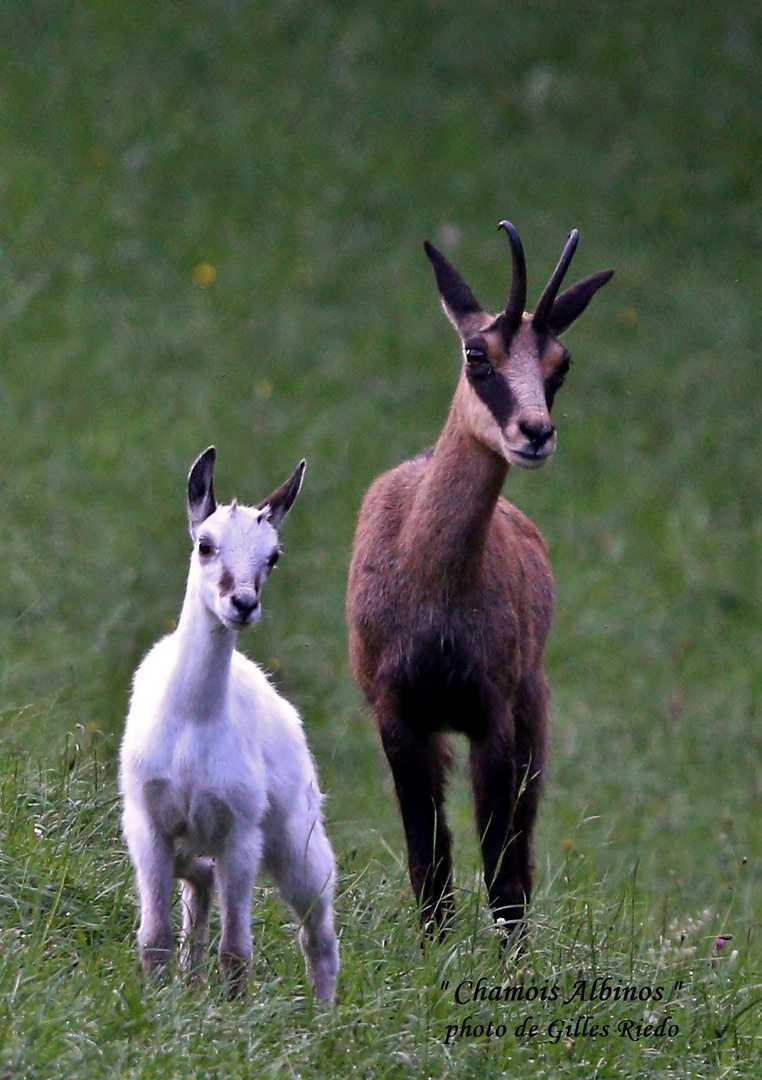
x=514, y=362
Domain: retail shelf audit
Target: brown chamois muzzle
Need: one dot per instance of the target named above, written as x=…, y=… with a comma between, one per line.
x=540, y=439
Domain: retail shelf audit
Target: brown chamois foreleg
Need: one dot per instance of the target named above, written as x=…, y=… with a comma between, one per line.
x=506, y=773
x=419, y=767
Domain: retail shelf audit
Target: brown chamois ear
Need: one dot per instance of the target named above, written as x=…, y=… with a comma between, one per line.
x=201, y=501
x=459, y=302
x=570, y=304
x=277, y=505
x=556, y=313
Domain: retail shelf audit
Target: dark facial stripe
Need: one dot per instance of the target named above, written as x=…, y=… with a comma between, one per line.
x=555, y=381
x=507, y=331
x=552, y=386
x=496, y=394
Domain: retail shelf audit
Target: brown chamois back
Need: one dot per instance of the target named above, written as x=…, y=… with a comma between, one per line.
x=450, y=593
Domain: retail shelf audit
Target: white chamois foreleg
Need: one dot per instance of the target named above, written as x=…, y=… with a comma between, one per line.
x=236, y=872
x=153, y=858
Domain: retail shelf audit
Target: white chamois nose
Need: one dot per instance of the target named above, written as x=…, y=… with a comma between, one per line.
x=245, y=602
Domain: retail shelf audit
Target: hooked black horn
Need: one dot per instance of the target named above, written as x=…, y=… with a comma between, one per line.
x=517, y=299
x=541, y=317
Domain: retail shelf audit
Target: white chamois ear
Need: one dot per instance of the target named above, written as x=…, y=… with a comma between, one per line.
x=201, y=501
x=278, y=504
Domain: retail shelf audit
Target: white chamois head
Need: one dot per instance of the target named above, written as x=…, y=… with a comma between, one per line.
x=513, y=362
x=234, y=547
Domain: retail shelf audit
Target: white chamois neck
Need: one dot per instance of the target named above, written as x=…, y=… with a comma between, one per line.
x=446, y=530
x=203, y=651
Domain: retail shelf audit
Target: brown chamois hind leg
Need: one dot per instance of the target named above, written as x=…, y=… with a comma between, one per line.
x=419, y=768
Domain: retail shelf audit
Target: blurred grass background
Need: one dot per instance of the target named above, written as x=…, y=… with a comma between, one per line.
x=212, y=215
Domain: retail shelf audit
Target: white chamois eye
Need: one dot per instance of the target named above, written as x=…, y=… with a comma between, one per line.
x=272, y=561
x=205, y=547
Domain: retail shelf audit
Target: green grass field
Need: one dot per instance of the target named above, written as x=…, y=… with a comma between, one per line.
x=211, y=227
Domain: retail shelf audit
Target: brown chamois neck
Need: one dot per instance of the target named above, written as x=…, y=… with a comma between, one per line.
x=447, y=526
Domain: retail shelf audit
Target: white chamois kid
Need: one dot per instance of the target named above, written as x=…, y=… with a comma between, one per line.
x=216, y=775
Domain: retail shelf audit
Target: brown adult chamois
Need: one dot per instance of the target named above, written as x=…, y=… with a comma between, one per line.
x=450, y=592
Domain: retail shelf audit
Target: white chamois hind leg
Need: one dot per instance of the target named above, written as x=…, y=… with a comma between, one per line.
x=197, y=891
x=300, y=859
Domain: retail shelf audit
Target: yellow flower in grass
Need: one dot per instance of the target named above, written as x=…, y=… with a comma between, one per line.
x=204, y=275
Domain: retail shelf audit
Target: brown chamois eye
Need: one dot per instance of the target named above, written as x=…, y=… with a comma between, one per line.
x=555, y=381
x=476, y=359
x=205, y=547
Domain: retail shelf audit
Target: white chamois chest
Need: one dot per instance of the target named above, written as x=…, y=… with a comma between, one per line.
x=221, y=743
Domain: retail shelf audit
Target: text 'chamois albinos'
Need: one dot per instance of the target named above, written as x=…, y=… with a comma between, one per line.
x=450, y=593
